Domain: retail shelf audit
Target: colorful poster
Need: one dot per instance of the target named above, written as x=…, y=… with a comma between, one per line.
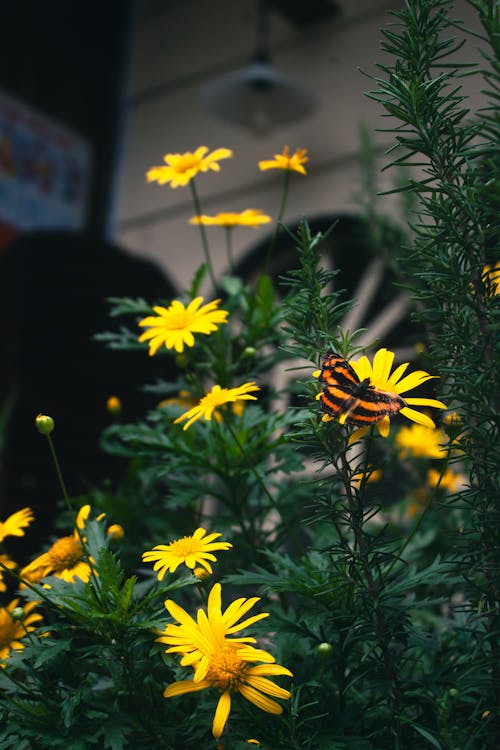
x=44, y=172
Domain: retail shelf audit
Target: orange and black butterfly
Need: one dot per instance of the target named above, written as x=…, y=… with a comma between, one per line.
x=350, y=400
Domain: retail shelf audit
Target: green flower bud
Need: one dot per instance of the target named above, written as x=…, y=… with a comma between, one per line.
x=324, y=649
x=17, y=613
x=453, y=692
x=249, y=351
x=44, y=424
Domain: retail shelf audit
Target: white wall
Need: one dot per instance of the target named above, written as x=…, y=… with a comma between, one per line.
x=176, y=51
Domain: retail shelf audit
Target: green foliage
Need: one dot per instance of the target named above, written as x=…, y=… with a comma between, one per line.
x=378, y=560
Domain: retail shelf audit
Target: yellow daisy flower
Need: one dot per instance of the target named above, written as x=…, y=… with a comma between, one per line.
x=174, y=325
x=220, y=662
x=251, y=217
x=181, y=168
x=449, y=481
x=15, y=524
x=65, y=559
x=379, y=375
x=190, y=550
x=217, y=397
x=12, y=630
x=421, y=442
x=284, y=161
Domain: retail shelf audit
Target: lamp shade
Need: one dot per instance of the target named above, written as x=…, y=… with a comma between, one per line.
x=258, y=97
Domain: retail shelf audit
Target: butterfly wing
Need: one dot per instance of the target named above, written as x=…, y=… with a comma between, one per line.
x=372, y=405
x=337, y=371
x=339, y=386
x=350, y=401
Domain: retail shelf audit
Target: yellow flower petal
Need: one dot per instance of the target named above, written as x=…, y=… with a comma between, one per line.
x=184, y=686
x=384, y=426
x=413, y=380
x=15, y=524
x=261, y=701
x=267, y=686
x=418, y=417
x=221, y=714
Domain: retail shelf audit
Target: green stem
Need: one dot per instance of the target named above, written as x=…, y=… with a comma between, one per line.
x=281, y=212
x=204, y=238
x=229, y=248
x=71, y=510
x=59, y=475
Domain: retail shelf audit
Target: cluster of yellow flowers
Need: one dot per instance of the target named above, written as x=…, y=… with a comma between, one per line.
x=230, y=665
x=65, y=559
x=15, y=621
x=174, y=326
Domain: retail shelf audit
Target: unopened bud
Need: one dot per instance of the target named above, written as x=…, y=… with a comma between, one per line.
x=249, y=351
x=115, y=532
x=44, y=424
x=114, y=405
x=17, y=613
x=201, y=574
x=324, y=649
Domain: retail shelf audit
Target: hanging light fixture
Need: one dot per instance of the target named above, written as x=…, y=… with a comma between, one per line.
x=258, y=96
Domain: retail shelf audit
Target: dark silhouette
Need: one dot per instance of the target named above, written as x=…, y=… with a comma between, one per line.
x=53, y=292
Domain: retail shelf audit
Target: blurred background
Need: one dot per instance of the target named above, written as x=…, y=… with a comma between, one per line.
x=92, y=94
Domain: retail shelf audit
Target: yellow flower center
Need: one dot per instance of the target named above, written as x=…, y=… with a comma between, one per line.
x=185, y=546
x=178, y=320
x=214, y=398
x=65, y=553
x=186, y=162
x=226, y=669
